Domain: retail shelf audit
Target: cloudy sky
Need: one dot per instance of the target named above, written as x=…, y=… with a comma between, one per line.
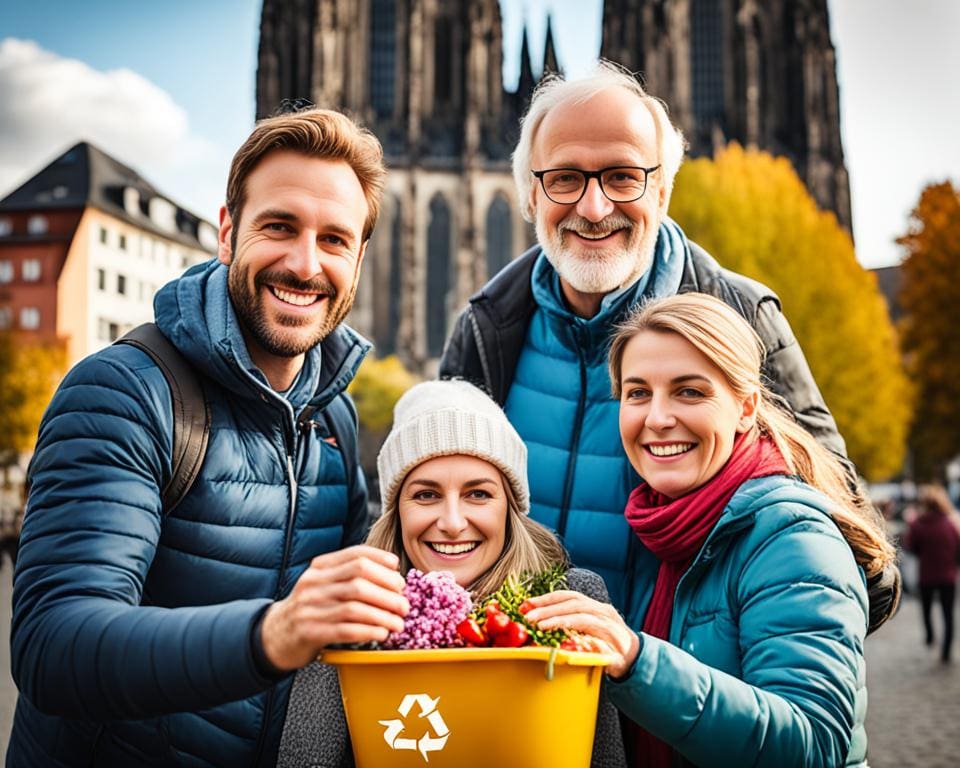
x=169, y=89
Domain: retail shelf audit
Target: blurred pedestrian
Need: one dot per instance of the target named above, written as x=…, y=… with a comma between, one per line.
x=933, y=536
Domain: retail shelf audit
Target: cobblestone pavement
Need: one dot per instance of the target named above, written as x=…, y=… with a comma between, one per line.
x=913, y=718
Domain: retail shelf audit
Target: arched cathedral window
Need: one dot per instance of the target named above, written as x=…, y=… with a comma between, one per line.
x=706, y=54
x=443, y=62
x=499, y=234
x=439, y=274
x=383, y=42
x=393, y=303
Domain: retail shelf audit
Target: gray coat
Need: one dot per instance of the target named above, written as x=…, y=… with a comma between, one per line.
x=315, y=732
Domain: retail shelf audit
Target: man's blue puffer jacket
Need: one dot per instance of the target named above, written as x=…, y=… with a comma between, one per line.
x=132, y=632
x=765, y=661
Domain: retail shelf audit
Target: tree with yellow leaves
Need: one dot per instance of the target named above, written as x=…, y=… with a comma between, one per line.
x=375, y=389
x=29, y=374
x=753, y=213
x=930, y=299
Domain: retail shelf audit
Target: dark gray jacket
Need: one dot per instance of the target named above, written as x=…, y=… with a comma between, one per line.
x=315, y=732
x=489, y=336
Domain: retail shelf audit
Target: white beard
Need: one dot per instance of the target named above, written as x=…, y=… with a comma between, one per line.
x=605, y=270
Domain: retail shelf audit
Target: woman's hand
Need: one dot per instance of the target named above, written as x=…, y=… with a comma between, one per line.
x=571, y=610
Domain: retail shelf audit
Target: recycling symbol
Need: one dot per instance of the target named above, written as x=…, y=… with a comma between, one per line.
x=428, y=742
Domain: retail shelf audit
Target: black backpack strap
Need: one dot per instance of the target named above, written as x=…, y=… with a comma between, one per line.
x=342, y=423
x=191, y=412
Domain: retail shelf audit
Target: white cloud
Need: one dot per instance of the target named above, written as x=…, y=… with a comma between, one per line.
x=48, y=103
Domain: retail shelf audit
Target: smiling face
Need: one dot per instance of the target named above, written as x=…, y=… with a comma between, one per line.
x=596, y=245
x=294, y=256
x=678, y=415
x=453, y=516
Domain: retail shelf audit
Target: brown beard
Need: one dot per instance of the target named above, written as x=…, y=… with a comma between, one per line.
x=248, y=306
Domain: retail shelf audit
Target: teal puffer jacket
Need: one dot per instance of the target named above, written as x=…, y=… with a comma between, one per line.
x=131, y=634
x=765, y=661
x=559, y=402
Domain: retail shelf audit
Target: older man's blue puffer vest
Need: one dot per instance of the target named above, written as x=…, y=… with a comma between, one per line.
x=131, y=632
x=560, y=404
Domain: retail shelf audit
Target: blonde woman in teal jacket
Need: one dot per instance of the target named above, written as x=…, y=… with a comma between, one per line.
x=745, y=643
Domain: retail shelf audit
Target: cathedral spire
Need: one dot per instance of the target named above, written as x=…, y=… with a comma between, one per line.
x=549, y=51
x=527, y=81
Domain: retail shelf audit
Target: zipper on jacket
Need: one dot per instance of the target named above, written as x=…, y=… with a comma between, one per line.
x=290, y=448
x=262, y=736
x=575, y=438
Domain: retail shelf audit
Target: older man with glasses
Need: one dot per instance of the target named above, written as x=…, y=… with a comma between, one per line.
x=594, y=169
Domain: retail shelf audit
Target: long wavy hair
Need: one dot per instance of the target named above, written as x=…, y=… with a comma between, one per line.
x=727, y=340
x=528, y=546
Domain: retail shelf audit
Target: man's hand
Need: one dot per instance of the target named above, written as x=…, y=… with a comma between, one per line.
x=571, y=610
x=354, y=595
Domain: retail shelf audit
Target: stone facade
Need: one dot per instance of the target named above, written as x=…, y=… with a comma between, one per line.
x=425, y=76
x=759, y=73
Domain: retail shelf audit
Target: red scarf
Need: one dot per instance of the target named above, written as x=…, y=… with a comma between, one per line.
x=674, y=530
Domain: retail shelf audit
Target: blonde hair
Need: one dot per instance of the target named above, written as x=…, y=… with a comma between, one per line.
x=529, y=547
x=553, y=90
x=320, y=133
x=728, y=341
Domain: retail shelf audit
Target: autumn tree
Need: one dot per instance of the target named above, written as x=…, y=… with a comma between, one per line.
x=375, y=389
x=29, y=374
x=752, y=211
x=930, y=300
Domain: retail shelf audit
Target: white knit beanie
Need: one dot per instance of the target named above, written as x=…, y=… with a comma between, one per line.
x=445, y=418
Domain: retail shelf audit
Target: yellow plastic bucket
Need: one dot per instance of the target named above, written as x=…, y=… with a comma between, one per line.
x=465, y=707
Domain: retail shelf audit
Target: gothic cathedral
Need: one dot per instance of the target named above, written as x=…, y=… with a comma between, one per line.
x=425, y=76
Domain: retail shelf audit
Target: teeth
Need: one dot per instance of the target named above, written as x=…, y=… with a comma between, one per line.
x=590, y=237
x=669, y=450
x=299, y=299
x=454, y=549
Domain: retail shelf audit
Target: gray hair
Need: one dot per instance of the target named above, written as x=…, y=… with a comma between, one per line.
x=554, y=90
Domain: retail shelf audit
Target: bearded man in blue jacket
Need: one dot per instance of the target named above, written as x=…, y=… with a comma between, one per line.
x=149, y=637
x=594, y=168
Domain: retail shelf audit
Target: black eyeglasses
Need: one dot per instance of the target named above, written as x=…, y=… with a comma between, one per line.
x=620, y=184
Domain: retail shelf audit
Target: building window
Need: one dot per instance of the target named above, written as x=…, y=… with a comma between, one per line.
x=706, y=51
x=396, y=271
x=443, y=64
x=6, y=226
x=106, y=330
x=499, y=235
x=6, y=271
x=37, y=225
x=103, y=235
x=122, y=242
x=101, y=279
x=6, y=318
x=383, y=41
x=31, y=270
x=439, y=275
x=121, y=285
x=30, y=318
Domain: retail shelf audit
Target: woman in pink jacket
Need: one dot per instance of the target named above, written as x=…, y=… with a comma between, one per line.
x=934, y=537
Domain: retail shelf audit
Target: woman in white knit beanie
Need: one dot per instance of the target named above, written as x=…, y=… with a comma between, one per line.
x=453, y=483
x=453, y=480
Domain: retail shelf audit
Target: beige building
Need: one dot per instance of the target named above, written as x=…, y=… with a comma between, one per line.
x=84, y=246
